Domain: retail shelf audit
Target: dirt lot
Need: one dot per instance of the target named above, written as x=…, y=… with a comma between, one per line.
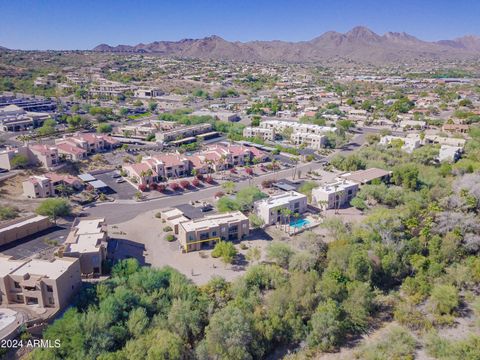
x=144, y=239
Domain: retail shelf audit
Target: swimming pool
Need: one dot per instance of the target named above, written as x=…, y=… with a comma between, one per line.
x=299, y=223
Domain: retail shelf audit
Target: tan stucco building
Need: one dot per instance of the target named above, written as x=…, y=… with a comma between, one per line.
x=87, y=241
x=194, y=234
x=39, y=283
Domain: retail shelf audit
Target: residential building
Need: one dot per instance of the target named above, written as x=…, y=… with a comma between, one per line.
x=42, y=186
x=272, y=210
x=109, y=89
x=194, y=234
x=408, y=144
x=367, y=176
x=141, y=173
x=7, y=155
x=91, y=143
x=312, y=141
x=456, y=128
x=14, y=118
x=182, y=132
x=148, y=93
x=42, y=155
x=71, y=151
x=335, y=195
x=280, y=125
x=259, y=132
x=39, y=283
x=450, y=153
x=173, y=217
x=87, y=241
x=46, y=155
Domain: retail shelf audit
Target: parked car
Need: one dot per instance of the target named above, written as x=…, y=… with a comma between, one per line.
x=121, y=180
x=116, y=175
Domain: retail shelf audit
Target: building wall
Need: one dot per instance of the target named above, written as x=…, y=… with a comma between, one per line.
x=271, y=214
x=224, y=231
x=341, y=197
x=62, y=288
x=22, y=231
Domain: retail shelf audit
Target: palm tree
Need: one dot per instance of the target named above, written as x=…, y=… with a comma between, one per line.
x=295, y=161
x=296, y=216
x=338, y=197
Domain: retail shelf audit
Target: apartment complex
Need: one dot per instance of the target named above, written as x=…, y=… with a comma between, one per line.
x=87, y=241
x=259, y=132
x=42, y=186
x=312, y=141
x=43, y=155
x=310, y=135
x=336, y=194
x=182, y=132
x=39, y=283
x=272, y=210
x=194, y=234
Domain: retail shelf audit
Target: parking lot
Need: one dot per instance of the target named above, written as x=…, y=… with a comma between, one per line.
x=120, y=191
x=36, y=243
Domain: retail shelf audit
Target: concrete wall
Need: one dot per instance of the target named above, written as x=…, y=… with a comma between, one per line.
x=24, y=230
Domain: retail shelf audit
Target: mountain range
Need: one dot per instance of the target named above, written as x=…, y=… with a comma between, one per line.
x=359, y=44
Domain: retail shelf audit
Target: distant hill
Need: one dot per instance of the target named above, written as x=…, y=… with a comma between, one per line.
x=359, y=44
x=4, y=48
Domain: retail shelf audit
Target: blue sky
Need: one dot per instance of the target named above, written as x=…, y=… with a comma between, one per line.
x=83, y=24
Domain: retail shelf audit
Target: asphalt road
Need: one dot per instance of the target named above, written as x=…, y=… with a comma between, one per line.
x=115, y=213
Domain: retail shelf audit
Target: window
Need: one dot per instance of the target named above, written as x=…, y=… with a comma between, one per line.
x=49, y=288
x=16, y=284
x=214, y=233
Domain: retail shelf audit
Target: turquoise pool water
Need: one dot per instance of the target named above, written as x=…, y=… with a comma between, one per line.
x=299, y=223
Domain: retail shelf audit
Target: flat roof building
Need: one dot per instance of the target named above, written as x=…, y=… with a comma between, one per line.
x=39, y=283
x=367, y=176
x=335, y=195
x=194, y=234
x=270, y=209
x=87, y=241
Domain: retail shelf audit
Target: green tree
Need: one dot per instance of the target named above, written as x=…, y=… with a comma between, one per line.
x=229, y=187
x=152, y=106
x=444, y=299
x=53, y=208
x=137, y=321
x=19, y=161
x=226, y=204
x=228, y=335
x=326, y=326
x=47, y=128
x=255, y=221
x=8, y=212
x=104, y=128
x=280, y=253
x=225, y=250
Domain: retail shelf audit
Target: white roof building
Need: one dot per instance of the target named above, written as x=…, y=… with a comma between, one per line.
x=270, y=209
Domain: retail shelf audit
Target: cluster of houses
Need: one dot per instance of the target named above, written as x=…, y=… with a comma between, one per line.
x=50, y=284
x=77, y=147
x=308, y=135
x=214, y=158
x=450, y=150
x=194, y=234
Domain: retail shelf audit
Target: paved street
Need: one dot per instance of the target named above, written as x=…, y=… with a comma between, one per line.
x=119, y=212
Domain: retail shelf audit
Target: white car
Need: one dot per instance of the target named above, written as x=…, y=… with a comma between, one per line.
x=121, y=180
